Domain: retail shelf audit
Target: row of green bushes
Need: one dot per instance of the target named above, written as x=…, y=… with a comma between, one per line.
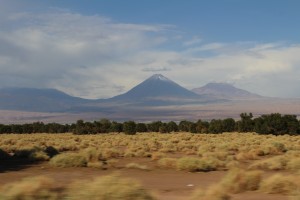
x=275, y=123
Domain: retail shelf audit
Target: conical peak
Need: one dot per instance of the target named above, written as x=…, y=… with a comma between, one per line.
x=157, y=86
x=159, y=77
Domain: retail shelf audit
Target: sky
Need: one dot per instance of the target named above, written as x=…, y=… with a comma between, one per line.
x=102, y=48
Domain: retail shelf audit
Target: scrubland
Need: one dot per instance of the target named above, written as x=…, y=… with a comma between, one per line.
x=249, y=163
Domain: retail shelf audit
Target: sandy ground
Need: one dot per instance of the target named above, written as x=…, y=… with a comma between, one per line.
x=165, y=113
x=163, y=184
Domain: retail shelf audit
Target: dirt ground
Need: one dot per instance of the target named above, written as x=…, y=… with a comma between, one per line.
x=164, y=184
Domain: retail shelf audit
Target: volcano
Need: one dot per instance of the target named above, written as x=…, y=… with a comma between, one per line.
x=225, y=90
x=157, y=90
x=157, y=87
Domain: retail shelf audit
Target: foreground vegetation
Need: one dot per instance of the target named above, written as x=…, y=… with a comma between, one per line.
x=275, y=123
x=245, y=157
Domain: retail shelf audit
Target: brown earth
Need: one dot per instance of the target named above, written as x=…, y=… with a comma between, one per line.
x=162, y=183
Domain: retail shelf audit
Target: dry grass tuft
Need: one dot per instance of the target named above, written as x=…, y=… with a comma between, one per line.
x=294, y=164
x=279, y=184
x=68, y=160
x=108, y=153
x=168, y=163
x=97, y=164
x=238, y=180
x=108, y=188
x=40, y=187
x=295, y=196
x=39, y=156
x=195, y=164
x=274, y=163
x=215, y=192
x=157, y=155
x=137, y=166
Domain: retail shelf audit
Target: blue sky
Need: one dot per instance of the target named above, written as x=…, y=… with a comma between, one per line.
x=98, y=49
x=215, y=20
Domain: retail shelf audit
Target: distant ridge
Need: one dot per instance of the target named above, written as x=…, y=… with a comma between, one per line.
x=224, y=90
x=34, y=99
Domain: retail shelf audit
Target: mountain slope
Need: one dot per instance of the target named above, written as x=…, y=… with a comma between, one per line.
x=224, y=90
x=156, y=87
x=33, y=99
x=156, y=91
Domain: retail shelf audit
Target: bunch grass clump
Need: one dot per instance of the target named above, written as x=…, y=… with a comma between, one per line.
x=108, y=188
x=279, y=184
x=33, y=188
x=68, y=160
x=195, y=164
x=239, y=180
x=274, y=163
x=294, y=164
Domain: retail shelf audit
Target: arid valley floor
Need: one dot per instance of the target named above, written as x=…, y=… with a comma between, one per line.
x=179, y=166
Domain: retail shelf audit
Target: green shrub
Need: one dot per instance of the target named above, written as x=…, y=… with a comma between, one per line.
x=68, y=160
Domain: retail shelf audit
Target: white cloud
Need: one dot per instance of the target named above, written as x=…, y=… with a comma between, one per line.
x=49, y=50
x=195, y=40
x=96, y=57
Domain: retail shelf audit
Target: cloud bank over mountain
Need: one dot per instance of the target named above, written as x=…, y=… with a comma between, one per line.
x=95, y=56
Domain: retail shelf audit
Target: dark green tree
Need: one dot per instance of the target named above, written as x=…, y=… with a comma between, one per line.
x=184, y=125
x=116, y=127
x=164, y=128
x=215, y=126
x=202, y=126
x=141, y=127
x=105, y=125
x=246, y=123
x=172, y=126
x=129, y=128
x=154, y=126
x=228, y=125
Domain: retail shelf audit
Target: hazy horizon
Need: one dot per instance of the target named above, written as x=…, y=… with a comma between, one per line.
x=104, y=48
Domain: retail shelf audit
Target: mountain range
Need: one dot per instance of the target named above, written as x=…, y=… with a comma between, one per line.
x=157, y=90
x=155, y=98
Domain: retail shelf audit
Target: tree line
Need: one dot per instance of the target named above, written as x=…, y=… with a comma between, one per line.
x=275, y=123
